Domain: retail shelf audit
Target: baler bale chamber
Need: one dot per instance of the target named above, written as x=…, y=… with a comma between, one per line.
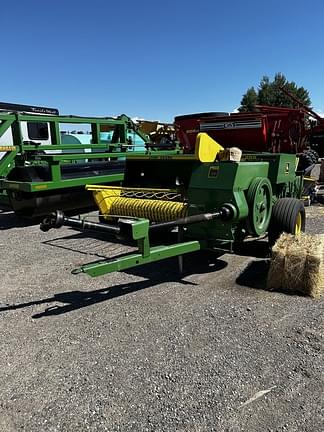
x=214, y=204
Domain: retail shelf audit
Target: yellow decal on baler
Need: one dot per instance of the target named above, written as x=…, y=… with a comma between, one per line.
x=7, y=148
x=13, y=186
x=165, y=157
x=287, y=168
x=41, y=186
x=247, y=158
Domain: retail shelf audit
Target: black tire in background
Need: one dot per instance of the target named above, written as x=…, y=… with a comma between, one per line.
x=288, y=215
x=307, y=159
x=200, y=115
x=314, y=156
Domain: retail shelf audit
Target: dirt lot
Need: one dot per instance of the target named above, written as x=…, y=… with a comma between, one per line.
x=145, y=351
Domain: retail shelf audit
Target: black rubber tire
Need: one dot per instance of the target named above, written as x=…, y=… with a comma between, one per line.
x=314, y=156
x=200, y=115
x=307, y=159
x=284, y=218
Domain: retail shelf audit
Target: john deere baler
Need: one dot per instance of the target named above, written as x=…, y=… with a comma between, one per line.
x=213, y=204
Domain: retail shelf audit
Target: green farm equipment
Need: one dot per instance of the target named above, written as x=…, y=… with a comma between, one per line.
x=213, y=204
x=42, y=169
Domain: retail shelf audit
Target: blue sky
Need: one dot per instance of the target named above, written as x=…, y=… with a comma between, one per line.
x=156, y=59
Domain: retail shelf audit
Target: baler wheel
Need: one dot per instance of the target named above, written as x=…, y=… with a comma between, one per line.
x=288, y=216
x=259, y=198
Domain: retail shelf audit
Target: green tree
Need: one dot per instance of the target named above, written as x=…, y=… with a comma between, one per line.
x=249, y=100
x=270, y=93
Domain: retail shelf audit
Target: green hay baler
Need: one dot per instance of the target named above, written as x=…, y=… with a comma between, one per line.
x=213, y=204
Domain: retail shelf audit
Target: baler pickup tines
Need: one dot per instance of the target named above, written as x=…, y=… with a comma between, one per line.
x=157, y=205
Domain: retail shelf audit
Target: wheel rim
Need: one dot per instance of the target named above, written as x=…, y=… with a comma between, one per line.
x=261, y=206
x=298, y=224
x=260, y=198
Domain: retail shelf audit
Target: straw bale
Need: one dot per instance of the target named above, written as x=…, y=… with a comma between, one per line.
x=233, y=154
x=297, y=264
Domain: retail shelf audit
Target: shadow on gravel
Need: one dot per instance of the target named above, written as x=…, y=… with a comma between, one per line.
x=80, y=299
x=9, y=220
x=201, y=262
x=255, y=275
x=108, y=244
x=167, y=271
x=98, y=244
x=256, y=248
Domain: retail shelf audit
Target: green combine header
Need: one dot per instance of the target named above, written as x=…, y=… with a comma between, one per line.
x=41, y=169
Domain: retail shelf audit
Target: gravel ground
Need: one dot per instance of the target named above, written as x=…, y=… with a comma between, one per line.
x=143, y=350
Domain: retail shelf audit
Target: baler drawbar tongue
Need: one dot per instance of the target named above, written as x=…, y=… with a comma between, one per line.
x=138, y=230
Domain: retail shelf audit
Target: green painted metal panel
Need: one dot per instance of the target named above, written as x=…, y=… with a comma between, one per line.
x=53, y=185
x=4, y=200
x=215, y=184
x=5, y=125
x=69, y=119
x=7, y=163
x=282, y=166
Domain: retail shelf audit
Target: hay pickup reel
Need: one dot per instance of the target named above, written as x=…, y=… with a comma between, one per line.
x=213, y=204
